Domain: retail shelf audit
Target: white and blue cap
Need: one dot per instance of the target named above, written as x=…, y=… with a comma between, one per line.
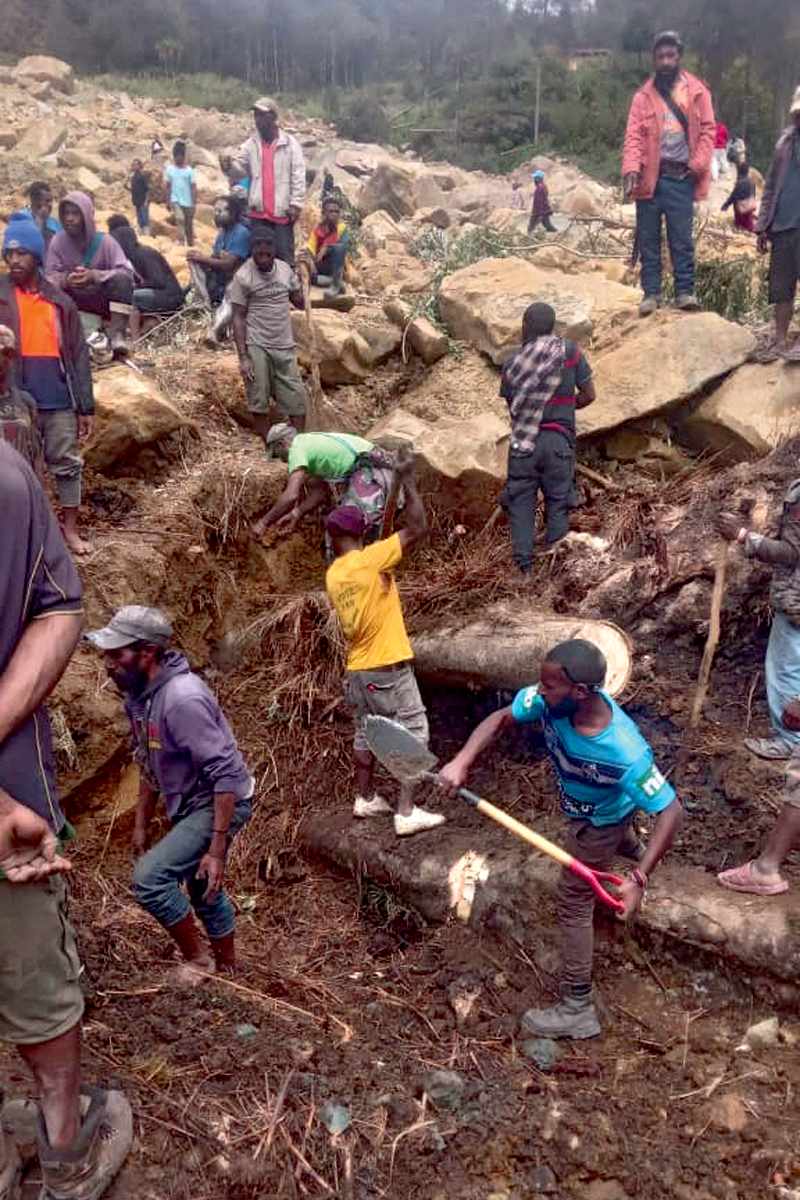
x=132, y=624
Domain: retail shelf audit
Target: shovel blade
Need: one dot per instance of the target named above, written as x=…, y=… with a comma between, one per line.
x=403, y=755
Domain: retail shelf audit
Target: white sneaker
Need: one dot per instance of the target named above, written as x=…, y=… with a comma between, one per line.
x=417, y=821
x=375, y=807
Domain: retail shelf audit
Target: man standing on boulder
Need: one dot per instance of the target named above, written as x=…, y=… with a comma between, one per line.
x=543, y=385
x=273, y=162
x=84, y=1134
x=605, y=772
x=186, y=752
x=52, y=365
x=380, y=675
x=666, y=166
x=778, y=225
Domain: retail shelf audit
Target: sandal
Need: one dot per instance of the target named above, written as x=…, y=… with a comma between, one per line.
x=747, y=879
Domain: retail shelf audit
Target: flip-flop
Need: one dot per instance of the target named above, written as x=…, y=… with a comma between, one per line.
x=747, y=879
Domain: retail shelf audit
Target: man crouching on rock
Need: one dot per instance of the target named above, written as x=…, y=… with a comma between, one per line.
x=186, y=751
x=605, y=771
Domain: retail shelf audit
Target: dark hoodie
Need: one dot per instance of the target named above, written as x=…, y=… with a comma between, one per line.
x=184, y=744
x=64, y=254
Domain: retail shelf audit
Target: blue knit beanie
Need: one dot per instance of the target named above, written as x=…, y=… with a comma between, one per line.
x=22, y=233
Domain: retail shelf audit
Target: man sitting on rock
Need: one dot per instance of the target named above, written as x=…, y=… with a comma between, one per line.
x=543, y=384
x=380, y=677
x=211, y=273
x=53, y=364
x=262, y=292
x=332, y=468
x=186, y=752
x=605, y=772
x=157, y=292
x=92, y=268
x=328, y=248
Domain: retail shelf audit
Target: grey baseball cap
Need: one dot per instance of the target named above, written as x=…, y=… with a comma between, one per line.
x=134, y=623
x=277, y=433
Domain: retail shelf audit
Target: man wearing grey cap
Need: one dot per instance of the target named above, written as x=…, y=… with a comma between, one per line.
x=273, y=162
x=186, y=752
x=605, y=772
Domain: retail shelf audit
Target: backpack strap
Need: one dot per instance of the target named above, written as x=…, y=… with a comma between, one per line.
x=677, y=111
x=94, y=246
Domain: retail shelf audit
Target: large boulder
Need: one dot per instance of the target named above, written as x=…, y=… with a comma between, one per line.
x=461, y=463
x=343, y=355
x=392, y=187
x=483, y=304
x=42, y=138
x=423, y=337
x=73, y=157
x=41, y=68
x=750, y=414
x=664, y=360
x=130, y=412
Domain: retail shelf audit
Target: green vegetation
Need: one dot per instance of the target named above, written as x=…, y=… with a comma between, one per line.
x=203, y=90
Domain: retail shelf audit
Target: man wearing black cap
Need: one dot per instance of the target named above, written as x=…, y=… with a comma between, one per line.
x=543, y=384
x=380, y=677
x=605, y=772
x=186, y=752
x=273, y=162
x=666, y=166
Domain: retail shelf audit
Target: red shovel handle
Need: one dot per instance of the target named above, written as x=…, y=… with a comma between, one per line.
x=595, y=881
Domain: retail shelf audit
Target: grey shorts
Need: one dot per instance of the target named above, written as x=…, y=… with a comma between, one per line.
x=784, y=266
x=391, y=692
x=275, y=374
x=39, y=967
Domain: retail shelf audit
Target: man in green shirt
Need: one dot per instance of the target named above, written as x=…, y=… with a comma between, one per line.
x=331, y=469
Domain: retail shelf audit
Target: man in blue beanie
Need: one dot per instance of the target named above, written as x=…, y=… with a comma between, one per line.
x=53, y=364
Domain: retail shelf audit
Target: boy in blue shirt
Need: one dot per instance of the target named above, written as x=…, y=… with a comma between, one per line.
x=605, y=771
x=182, y=193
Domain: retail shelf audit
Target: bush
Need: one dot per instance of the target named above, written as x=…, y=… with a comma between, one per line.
x=363, y=120
x=200, y=91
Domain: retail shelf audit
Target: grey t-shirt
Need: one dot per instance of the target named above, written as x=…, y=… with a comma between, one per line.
x=265, y=295
x=787, y=210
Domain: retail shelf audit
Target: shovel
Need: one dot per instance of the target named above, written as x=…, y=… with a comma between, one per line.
x=409, y=760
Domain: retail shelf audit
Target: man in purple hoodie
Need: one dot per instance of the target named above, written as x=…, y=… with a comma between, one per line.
x=91, y=267
x=186, y=752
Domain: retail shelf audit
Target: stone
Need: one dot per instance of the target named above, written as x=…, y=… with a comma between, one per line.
x=754, y=410
x=74, y=157
x=483, y=304
x=427, y=192
x=42, y=138
x=662, y=361
x=335, y=1118
x=422, y=335
x=579, y=202
x=542, y=1181
x=444, y=1089
x=130, y=412
x=729, y=1112
x=544, y=1052
x=381, y=229
x=8, y=139
x=356, y=162
x=383, y=340
x=86, y=181
x=439, y=217
x=39, y=91
x=391, y=187
x=41, y=68
x=605, y=1189
x=210, y=184
x=343, y=355
x=763, y=1034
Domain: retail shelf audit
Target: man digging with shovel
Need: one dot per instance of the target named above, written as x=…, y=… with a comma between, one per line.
x=605, y=771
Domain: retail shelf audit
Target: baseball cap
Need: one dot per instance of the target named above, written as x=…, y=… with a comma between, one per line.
x=583, y=662
x=134, y=623
x=795, y=105
x=276, y=434
x=265, y=104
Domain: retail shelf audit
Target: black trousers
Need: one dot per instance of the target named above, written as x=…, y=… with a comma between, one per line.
x=97, y=297
x=549, y=467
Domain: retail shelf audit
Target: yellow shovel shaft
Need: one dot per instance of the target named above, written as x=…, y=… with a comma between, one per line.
x=522, y=831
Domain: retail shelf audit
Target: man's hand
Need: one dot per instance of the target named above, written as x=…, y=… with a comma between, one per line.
x=81, y=277
x=294, y=214
x=195, y=256
x=452, y=777
x=630, y=183
x=762, y=243
x=288, y=524
x=247, y=368
x=85, y=422
x=404, y=462
x=631, y=895
x=728, y=525
x=28, y=846
x=212, y=869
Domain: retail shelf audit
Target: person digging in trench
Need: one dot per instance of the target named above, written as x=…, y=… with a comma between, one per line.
x=186, y=752
x=329, y=468
x=380, y=676
x=605, y=772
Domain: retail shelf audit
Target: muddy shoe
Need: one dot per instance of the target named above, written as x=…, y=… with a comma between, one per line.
x=20, y=1123
x=573, y=1017
x=648, y=306
x=687, y=302
x=417, y=821
x=86, y=1169
x=774, y=747
x=375, y=807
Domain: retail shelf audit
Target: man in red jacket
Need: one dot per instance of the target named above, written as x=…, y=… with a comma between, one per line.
x=666, y=166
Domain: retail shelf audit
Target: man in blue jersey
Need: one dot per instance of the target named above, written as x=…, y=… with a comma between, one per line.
x=605, y=772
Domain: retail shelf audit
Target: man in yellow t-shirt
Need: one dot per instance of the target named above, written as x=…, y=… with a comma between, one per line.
x=380, y=677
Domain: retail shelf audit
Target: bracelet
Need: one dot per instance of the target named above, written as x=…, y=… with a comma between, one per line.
x=223, y=832
x=639, y=878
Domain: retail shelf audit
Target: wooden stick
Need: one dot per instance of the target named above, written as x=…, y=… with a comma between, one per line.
x=713, y=637
x=596, y=477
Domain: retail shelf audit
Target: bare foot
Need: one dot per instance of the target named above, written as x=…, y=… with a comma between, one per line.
x=76, y=543
x=192, y=972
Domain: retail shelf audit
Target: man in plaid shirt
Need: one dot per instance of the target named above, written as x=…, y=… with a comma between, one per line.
x=543, y=384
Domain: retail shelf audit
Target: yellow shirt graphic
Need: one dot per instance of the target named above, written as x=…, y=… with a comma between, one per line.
x=368, y=605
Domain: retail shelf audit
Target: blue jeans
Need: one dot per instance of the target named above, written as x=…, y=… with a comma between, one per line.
x=160, y=874
x=782, y=671
x=143, y=216
x=331, y=262
x=673, y=200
